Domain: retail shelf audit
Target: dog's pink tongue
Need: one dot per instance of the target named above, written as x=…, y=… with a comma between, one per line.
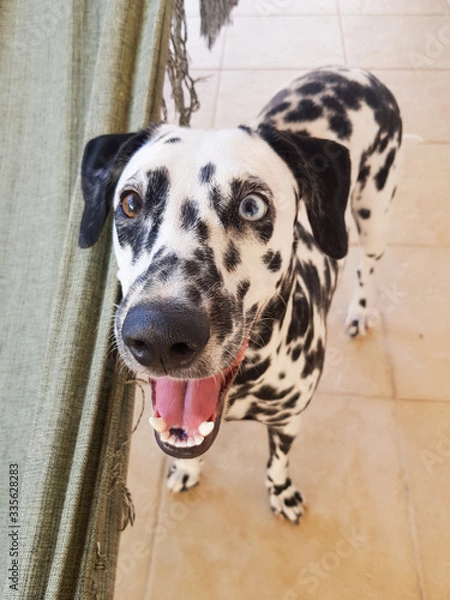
x=186, y=404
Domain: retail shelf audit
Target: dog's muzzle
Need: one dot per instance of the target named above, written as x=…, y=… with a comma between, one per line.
x=168, y=338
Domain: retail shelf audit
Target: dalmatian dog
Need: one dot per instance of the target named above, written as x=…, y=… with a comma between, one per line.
x=228, y=245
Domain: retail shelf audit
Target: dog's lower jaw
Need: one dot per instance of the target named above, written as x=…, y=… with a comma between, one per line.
x=191, y=442
x=195, y=450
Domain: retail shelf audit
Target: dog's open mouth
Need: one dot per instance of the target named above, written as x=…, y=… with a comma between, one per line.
x=187, y=413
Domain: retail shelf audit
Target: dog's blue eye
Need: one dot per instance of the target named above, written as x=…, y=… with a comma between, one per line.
x=131, y=204
x=252, y=208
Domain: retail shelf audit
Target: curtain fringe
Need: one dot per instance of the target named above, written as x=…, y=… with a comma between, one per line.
x=214, y=15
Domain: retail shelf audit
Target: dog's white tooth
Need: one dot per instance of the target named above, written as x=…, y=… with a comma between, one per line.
x=190, y=442
x=198, y=439
x=172, y=440
x=205, y=428
x=158, y=424
x=165, y=435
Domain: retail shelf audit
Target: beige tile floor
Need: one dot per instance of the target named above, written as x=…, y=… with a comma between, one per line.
x=374, y=455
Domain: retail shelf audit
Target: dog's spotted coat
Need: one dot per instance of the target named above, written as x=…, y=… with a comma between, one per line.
x=222, y=272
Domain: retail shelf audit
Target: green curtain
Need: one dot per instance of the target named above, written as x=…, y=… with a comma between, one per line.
x=68, y=71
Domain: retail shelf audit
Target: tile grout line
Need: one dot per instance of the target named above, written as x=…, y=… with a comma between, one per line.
x=341, y=32
x=405, y=479
x=411, y=516
x=158, y=512
x=395, y=396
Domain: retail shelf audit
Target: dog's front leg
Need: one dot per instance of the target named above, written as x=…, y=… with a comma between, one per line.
x=285, y=499
x=184, y=474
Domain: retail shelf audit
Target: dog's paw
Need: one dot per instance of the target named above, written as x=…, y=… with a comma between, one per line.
x=286, y=501
x=184, y=474
x=360, y=319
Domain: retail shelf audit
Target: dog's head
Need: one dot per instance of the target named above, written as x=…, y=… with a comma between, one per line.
x=203, y=235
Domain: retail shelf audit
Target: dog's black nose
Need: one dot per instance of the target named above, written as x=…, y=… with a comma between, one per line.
x=165, y=336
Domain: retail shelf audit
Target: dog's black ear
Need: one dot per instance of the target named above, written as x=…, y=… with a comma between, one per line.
x=103, y=161
x=322, y=170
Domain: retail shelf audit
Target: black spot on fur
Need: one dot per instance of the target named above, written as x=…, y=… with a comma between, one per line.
x=209, y=278
x=304, y=237
x=294, y=500
x=311, y=88
x=242, y=289
x=314, y=360
x=192, y=268
x=232, y=257
x=285, y=442
x=222, y=317
x=383, y=144
x=307, y=110
x=245, y=128
x=364, y=213
x=278, y=109
x=250, y=314
x=174, y=140
x=382, y=175
x=159, y=252
x=363, y=302
x=193, y=294
x=189, y=215
x=296, y=353
x=207, y=173
x=340, y=125
x=334, y=104
x=364, y=172
x=264, y=230
x=291, y=402
x=301, y=315
x=202, y=231
x=386, y=110
x=272, y=260
x=161, y=269
x=350, y=93
x=155, y=201
x=267, y=392
x=312, y=281
x=274, y=312
x=400, y=131
x=253, y=372
x=226, y=211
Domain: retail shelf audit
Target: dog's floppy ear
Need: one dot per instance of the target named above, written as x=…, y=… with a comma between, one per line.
x=322, y=170
x=103, y=161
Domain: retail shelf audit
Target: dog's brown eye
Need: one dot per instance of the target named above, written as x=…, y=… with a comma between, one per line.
x=131, y=204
